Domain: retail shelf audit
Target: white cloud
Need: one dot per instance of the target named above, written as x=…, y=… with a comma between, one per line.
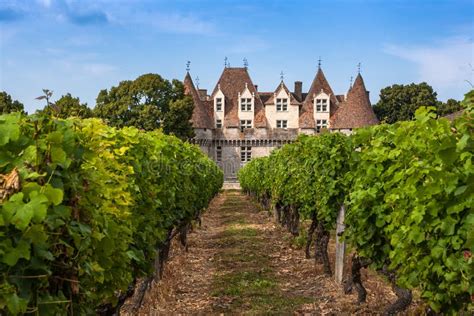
x=446, y=64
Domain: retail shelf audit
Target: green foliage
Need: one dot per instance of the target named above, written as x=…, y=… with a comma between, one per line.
x=68, y=106
x=410, y=205
x=308, y=174
x=147, y=103
x=8, y=105
x=399, y=102
x=409, y=192
x=449, y=107
x=95, y=205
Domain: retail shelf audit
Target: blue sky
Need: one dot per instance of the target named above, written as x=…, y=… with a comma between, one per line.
x=82, y=46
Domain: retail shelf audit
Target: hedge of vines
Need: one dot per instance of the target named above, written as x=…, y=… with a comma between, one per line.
x=408, y=189
x=86, y=208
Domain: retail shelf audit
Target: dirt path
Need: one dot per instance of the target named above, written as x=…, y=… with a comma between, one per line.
x=240, y=262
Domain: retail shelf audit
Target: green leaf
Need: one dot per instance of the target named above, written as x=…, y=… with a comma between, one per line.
x=13, y=254
x=15, y=304
x=55, y=196
x=58, y=155
x=36, y=208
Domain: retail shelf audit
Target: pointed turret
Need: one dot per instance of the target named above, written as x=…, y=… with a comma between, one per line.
x=356, y=111
x=201, y=117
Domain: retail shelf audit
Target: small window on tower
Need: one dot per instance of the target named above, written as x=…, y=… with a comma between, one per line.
x=321, y=105
x=218, y=104
x=282, y=124
x=245, y=104
x=218, y=123
x=320, y=124
x=245, y=124
x=281, y=105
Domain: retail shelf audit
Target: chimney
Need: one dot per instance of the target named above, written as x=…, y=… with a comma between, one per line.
x=202, y=94
x=256, y=87
x=299, y=90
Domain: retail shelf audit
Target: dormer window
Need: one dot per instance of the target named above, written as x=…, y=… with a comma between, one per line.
x=282, y=124
x=218, y=104
x=245, y=124
x=320, y=124
x=245, y=104
x=321, y=105
x=281, y=104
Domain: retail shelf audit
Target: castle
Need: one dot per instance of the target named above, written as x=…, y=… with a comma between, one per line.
x=236, y=122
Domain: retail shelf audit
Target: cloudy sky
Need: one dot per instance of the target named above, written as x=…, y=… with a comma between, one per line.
x=82, y=46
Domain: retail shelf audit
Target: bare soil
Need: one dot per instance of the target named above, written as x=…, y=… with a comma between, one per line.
x=241, y=262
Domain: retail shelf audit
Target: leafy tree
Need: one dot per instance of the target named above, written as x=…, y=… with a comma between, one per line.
x=8, y=105
x=177, y=119
x=148, y=102
x=399, y=102
x=68, y=106
x=449, y=107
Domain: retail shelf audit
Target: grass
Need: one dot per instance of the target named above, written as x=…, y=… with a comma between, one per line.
x=248, y=283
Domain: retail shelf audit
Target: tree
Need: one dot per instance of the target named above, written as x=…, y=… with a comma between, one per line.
x=8, y=105
x=449, y=107
x=399, y=102
x=67, y=106
x=177, y=119
x=148, y=102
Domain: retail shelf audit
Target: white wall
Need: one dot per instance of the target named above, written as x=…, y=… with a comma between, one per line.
x=292, y=115
x=219, y=115
x=247, y=115
x=322, y=115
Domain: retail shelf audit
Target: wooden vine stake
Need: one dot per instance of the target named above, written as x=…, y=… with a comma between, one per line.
x=340, y=246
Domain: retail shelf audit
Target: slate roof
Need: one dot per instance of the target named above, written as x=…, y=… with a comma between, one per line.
x=319, y=84
x=202, y=117
x=232, y=82
x=356, y=111
x=265, y=96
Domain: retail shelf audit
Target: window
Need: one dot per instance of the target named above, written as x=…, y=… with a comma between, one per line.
x=218, y=123
x=245, y=104
x=321, y=105
x=245, y=153
x=282, y=123
x=245, y=124
x=282, y=104
x=218, y=153
x=321, y=124
x=219, y=104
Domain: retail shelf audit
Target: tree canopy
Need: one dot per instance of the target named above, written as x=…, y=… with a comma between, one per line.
x=399, y=102
x=8, y=105
x=448, y=107
x=68, y=106
x=148, y=102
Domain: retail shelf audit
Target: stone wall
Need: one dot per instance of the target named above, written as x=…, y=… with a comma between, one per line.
x=230, y=141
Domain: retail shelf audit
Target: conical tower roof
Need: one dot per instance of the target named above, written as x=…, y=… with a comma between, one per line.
x=356, y=111
x=201, y=117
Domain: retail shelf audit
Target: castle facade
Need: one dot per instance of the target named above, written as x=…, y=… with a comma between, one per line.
x=236, y=122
